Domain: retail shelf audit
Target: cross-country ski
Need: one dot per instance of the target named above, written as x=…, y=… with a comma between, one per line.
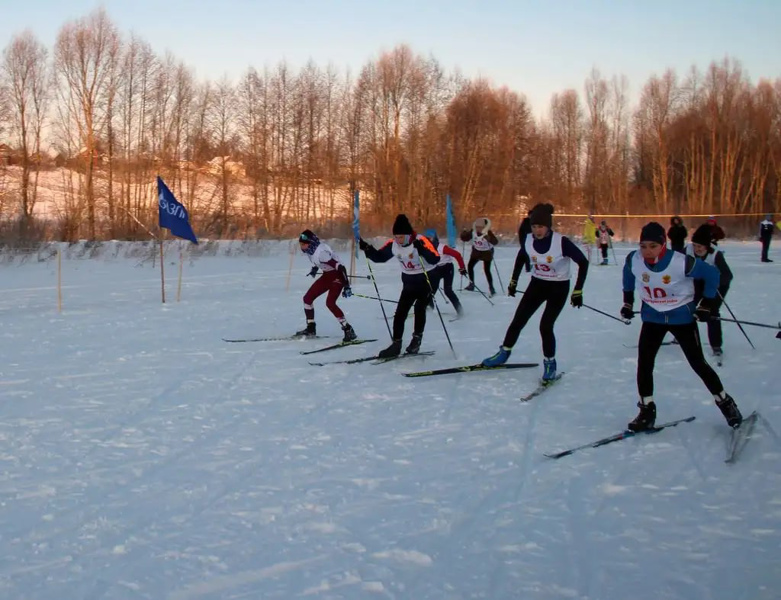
x=627, y=433
x=470, y=369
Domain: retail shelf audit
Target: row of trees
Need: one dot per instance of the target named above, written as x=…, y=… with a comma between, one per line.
x=279, y=147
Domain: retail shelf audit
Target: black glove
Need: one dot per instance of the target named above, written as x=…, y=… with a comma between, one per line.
x=347, y=291
x=512, y=288
x=703, y=310
x=627, y=312
x=362, y=244
x=313, y=272
x=576, y=299
x=463, y=273
x=418, y=244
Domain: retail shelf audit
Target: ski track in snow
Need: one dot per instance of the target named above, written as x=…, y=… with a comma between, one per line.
x=142, y=457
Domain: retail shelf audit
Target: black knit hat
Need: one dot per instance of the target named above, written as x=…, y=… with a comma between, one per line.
x=702, y=235
x=653, y=232
x=542, y=214
x=402, y=225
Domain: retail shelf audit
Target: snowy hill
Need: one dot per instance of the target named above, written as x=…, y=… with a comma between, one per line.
x=143, y=457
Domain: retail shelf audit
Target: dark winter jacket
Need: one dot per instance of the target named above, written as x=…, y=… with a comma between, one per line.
x=766, y=229
x=725, y=275
x=677, y=234
x=524, y=230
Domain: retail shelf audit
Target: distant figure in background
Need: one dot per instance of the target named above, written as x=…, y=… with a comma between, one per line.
x=524, y=230
x=483, y=242
x=677, y=234
x=716, y=232
x=766, y=228
x=589, y=234
x=604, y=233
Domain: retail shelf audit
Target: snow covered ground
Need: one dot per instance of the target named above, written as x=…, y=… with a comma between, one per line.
x=142, y=457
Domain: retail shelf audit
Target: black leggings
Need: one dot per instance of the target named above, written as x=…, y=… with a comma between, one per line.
x=487, y=257
x=445, y=274
x=419, y=295
x=554, y=295
x=688, y=336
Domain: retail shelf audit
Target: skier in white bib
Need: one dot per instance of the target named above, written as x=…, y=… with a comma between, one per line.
x=550, y=255
x=664, y=280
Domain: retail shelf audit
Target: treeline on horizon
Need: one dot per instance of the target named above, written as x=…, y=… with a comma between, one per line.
x=280, y=148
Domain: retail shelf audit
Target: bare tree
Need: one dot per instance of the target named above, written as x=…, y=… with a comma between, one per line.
x=26, y=73
x=84, y=57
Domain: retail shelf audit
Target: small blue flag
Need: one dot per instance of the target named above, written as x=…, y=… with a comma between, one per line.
x=173, y=215
x=356, y=219
x=451, y=224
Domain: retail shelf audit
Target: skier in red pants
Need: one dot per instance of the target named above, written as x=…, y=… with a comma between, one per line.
x=333, y=281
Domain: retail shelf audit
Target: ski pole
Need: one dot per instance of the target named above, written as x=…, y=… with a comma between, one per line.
x=443, y=296
x=434, y=300
x=359, y=276
x=765, y=325
x=376, y=289
x=610, y=240
x=602, y=312
x=496, y=268
x=479, y=290
x=376, y=298
x=743, y=331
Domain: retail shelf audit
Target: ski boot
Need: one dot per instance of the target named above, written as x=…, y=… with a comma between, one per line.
x=730, y=410
x=604, y=262
x=391, y=351
x=349, y=333
x=309, y=331
x=491, y=291
x=470, y=288
x=549, y=373
x=499, y=358
x=645, y=419
x=414, y=345
x=717, y=351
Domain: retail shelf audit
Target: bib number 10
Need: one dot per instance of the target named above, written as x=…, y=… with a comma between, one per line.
x=656, y=292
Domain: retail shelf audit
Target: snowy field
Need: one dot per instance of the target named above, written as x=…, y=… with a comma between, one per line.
x=143, y=457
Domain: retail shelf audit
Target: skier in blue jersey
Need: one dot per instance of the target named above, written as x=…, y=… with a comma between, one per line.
x=664, y=279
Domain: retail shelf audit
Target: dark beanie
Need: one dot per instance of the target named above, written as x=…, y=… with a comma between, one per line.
x=702, y=235
x=542, y=214
x=402, y=226
x=653, y=232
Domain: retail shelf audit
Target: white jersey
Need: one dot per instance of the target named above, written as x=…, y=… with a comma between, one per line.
x=321, y=256
x=479, y=242
x=665, y=290
x=710, y=257
x=552, y=265
x=444, y=259
x=410, y=260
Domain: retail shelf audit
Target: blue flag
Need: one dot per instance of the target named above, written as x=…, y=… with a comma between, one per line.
x=356, y=219
x=173, y=215
x=451, y=224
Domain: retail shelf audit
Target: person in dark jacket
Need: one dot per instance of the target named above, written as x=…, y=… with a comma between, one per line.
x=702, y=248
x=716, y=232
x=677, y=234
x=766, y=228
x=551, y=254
x=417, y=257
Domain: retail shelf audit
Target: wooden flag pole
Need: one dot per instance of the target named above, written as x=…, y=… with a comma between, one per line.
x=59, y=279
x=181, y=265
x=162, y=269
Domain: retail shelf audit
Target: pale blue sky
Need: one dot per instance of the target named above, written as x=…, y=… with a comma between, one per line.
x=535, y=47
